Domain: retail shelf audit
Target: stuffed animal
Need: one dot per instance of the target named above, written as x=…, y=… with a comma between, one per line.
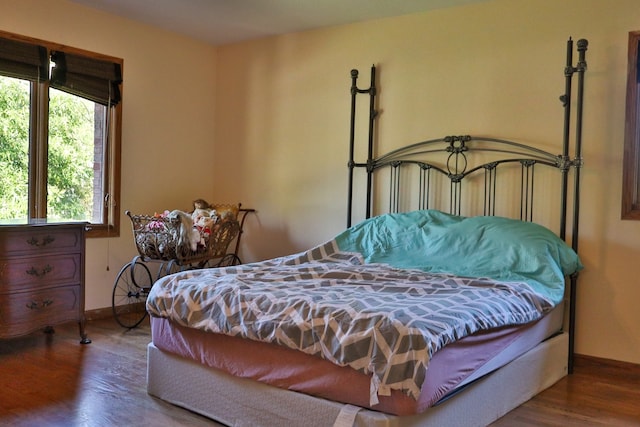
x=189, y=236
x=205, y=221
x=227, y=212
x=158, y=223
x=200, y=216
x=201, y=204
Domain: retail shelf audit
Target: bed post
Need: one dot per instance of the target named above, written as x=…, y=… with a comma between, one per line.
x=351, y=164
x=372, y=117
x=566, y=103
x=577, y=163
x=369, y=164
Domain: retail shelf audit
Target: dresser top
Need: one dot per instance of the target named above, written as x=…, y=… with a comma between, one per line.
x=5, y=225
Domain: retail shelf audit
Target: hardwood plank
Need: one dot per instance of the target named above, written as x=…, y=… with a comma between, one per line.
x=600, y=392
x=52, y=380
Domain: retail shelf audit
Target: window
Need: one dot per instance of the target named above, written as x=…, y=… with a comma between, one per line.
x=60, y=129
x=631, y=160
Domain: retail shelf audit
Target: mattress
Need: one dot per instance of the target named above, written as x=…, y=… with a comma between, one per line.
x=451, y=369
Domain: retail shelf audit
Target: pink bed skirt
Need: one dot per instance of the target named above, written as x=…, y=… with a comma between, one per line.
x=297, y=371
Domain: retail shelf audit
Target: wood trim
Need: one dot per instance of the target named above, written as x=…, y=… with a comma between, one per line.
x=585, y=362
x=631, y=159
x=57, y=46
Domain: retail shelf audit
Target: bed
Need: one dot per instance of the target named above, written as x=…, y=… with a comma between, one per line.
x=416, y=316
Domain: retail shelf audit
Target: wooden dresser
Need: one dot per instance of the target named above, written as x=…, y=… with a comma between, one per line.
x=41, y=277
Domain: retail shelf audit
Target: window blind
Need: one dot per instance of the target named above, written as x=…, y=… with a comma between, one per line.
x=87, y=77
x=23, y=60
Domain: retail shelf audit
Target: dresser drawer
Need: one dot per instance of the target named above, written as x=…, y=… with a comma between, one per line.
x=38, y=240
x=26, y=273
x=25, y=312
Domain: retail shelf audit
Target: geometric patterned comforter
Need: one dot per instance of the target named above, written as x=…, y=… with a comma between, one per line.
x=379, y=320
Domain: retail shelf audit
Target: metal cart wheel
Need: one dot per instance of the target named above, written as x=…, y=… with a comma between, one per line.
x=130, y=291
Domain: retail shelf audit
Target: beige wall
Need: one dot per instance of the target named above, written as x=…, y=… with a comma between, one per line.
x=278, y=138
x=495, y=68
x=168, y=116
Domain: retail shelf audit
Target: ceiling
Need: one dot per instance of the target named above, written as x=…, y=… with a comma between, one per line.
x=221, y=22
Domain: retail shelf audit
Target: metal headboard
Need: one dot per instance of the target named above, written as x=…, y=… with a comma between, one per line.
x=461, y=159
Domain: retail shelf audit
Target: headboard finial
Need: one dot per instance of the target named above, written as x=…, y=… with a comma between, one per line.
x=582, y=44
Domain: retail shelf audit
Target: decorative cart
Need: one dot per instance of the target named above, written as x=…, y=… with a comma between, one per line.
x=177, y=241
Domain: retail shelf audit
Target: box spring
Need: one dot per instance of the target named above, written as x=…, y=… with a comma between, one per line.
x=243, y=402
x=452, y=368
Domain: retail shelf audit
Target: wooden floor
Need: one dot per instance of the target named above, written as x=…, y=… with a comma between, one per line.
x=52, y=380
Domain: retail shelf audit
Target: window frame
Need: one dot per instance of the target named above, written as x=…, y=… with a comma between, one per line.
x=631, y=156
x=38, y=141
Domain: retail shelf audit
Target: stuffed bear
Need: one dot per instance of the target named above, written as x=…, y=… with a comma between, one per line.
x=203, y=216
x=201, y=204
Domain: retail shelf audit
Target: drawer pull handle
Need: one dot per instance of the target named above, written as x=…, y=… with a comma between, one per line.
x=35, y=242
x=33, y=305
x=39, y=273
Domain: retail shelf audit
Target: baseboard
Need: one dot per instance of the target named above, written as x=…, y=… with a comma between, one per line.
x=583, y=361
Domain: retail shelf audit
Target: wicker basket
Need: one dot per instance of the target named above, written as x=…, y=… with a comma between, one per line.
x=158, y=238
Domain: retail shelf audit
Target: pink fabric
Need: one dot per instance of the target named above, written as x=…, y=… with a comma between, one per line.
x=454, y=363
x=277, y=366
x=293, y=370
